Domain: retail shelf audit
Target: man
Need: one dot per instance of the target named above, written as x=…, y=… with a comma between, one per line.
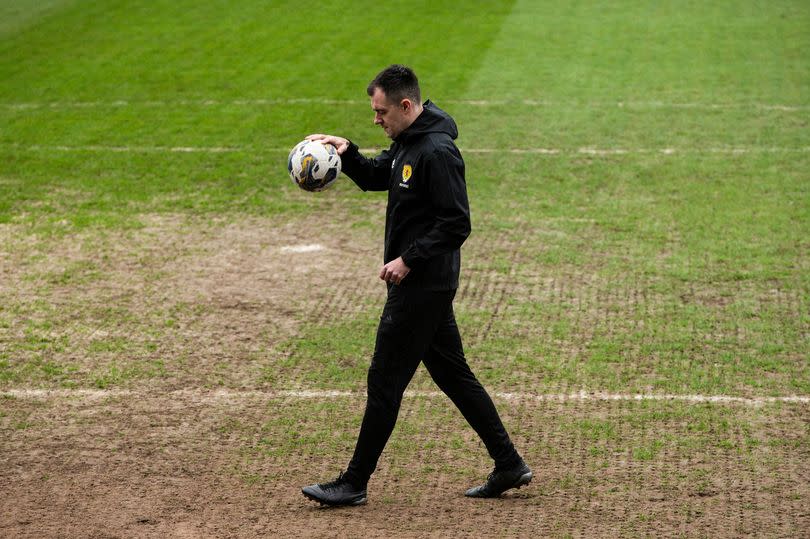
x=427, y=220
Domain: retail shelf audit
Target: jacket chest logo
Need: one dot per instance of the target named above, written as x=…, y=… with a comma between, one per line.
x=406, y=173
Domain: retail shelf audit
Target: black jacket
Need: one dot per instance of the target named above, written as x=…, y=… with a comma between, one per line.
x=428, y=215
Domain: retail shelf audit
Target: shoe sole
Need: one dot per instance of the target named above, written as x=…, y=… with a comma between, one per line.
x=361, y=501
x=522, y=481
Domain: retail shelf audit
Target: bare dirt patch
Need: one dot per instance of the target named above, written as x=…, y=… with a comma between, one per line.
x=197, y=465
x=220, y=294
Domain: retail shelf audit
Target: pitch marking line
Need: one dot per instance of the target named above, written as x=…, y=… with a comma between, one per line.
x=598, y=152
x=57, y=105
x=136, y=149
x=219, y=395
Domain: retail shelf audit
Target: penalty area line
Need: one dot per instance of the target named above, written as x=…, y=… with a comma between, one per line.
x=229, y=395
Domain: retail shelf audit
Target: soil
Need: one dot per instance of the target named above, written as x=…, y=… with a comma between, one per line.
x=171, y=456
x=199, y=464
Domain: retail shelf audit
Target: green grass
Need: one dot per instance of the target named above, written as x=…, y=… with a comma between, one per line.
x=165, y=50
x=683, y=272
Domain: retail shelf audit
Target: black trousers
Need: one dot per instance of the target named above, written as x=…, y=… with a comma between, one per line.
x=420, y=326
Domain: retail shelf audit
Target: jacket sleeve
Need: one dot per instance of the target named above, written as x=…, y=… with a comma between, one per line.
x=369, y=174
x=448, y=197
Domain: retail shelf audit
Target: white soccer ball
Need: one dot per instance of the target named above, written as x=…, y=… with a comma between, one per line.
x=313, y=166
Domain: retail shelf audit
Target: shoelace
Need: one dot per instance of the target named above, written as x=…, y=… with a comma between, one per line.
x=334, y=484
x=496, y=472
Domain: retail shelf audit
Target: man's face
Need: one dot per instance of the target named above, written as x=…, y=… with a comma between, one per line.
x=392, y=117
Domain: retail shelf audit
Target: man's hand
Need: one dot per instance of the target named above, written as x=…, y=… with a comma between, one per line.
x=340, y=143
x=394, y=271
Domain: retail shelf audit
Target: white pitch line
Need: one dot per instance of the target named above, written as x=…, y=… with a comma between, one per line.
x=57, y=105
x=223, y=394
x=711, y=106
x=133, y=149
x=542, y=151
x=264, y=102
x=599, y=152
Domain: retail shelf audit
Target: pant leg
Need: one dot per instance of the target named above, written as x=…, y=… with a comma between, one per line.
x=447, y=365
x=407, y=325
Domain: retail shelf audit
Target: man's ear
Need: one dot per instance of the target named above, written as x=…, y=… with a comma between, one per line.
x=406, y=104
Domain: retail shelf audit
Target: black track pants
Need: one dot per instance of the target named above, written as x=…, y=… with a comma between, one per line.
x=419, y=325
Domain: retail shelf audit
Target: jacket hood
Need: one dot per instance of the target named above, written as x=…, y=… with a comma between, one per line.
x=432, y=119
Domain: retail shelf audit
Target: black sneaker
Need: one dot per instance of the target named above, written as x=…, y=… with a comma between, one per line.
x=500, y=481
x=337, y=492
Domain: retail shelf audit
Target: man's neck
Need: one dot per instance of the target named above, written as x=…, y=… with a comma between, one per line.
x=416, y=113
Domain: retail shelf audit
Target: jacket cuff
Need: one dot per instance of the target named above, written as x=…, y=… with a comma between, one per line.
x=411, y=258
x=351, y=151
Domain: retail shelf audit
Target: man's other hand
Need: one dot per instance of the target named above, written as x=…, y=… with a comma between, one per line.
x=394, y=271
x=340, y=143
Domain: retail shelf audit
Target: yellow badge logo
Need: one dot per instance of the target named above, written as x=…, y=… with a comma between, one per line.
x=406, y=173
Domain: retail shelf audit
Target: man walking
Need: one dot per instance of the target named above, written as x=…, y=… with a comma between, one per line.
x=427, y=220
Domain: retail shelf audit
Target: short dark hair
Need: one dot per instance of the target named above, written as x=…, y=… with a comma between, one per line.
x=397, y=82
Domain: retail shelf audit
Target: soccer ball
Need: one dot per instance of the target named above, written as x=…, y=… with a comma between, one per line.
x=313, y=166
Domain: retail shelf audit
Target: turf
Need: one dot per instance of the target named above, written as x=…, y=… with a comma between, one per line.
x=640, y=198
x=688, y=252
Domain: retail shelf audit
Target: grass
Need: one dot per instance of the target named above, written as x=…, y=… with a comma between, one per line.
x=677, y=273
